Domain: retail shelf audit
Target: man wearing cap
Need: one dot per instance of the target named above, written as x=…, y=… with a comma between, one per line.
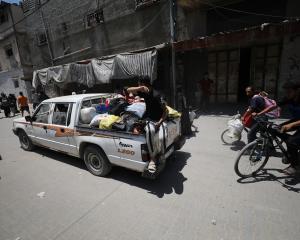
x=292, y=101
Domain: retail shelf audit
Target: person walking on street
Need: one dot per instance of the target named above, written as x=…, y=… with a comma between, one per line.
x=292, y=101
x=205, y=86
x=5, y=104
x=12, y=103
x=23, y=104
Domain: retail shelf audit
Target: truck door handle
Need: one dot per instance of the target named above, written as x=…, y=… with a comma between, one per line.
x=62, y=130
x=45, y=127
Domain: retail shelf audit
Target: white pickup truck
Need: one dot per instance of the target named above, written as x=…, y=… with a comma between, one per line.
x=56, y=125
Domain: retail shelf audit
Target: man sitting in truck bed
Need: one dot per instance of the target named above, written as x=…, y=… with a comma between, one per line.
x=156, y=113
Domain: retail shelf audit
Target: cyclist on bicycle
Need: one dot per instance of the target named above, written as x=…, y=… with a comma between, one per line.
x=256, y=106
x=292, y=141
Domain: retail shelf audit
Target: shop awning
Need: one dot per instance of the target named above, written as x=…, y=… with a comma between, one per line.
x=99, y=70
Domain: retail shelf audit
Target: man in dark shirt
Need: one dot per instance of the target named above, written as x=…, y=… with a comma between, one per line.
x=292, y=101
x=256, y=105
x=205, y=87
x=156, y=113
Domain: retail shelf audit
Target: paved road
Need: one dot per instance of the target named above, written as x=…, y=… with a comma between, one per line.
x=197, y=197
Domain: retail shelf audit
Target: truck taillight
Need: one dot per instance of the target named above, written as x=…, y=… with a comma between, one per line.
x=145, y=153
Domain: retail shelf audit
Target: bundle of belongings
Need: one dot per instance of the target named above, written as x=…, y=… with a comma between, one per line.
x=116, y=113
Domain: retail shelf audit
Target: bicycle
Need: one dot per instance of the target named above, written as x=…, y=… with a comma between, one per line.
x=229, y=139
x=256, y=154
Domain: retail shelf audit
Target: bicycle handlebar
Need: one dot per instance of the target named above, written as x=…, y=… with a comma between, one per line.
x=268, y=124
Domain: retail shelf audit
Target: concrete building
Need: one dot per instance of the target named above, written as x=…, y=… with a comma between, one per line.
x=15, y=67
x=237, y=55
x=247, y=43
x=67, y=31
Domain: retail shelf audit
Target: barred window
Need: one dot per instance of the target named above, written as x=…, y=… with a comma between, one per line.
x=95, y=18
x=28, y=5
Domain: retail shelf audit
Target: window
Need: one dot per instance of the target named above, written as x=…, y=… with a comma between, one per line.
x=16, y=83
x=144, y=3
x=3, y=16
x=42, y=39
x=60, y=114
x=9, y=51
x=64, y=27
x=95, y=18
x=42, y=114
x=98, y=103
x=28, y=5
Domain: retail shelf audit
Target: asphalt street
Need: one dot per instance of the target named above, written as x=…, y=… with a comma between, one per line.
x=47, y=195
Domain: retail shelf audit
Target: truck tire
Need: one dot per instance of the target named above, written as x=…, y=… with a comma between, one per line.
x=96, y=161
x=25, y=141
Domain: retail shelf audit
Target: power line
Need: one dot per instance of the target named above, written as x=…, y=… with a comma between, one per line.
x=228, y=18
x=246, y=12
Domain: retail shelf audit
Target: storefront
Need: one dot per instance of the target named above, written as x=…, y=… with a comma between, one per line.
x=235, y=60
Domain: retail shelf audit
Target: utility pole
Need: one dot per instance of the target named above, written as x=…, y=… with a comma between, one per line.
x=173, y=23
x=47, y=37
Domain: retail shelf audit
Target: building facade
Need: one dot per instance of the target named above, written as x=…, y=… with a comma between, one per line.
x=247, y=43
x=62, y=32
x=15, y=67
x=67, y=31
x=231, y=40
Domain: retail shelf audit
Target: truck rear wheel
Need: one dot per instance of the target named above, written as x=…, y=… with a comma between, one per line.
x=25, y=141
x=96, y=161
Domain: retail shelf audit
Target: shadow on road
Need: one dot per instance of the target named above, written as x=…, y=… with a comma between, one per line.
x=61, y=157
x=266, y=175
x=169, y=181
x=238, y=145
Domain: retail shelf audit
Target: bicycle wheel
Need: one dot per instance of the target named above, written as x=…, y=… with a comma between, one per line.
x=252, y=158
x=227, y=139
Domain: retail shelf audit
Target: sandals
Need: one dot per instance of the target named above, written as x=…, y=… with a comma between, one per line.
x=151, y=167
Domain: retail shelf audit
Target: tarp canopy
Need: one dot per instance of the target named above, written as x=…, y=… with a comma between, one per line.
x=98, y=71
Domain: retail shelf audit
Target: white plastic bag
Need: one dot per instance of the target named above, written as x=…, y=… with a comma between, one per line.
x=192, y=116
x=87, y=114
x=138, y=109
x=96, y=120
x=235, y=127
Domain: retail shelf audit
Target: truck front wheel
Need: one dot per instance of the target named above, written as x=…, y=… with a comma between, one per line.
x=96, y=161
x=25, y=141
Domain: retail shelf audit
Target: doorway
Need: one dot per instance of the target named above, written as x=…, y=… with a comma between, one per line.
x=244, y=73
